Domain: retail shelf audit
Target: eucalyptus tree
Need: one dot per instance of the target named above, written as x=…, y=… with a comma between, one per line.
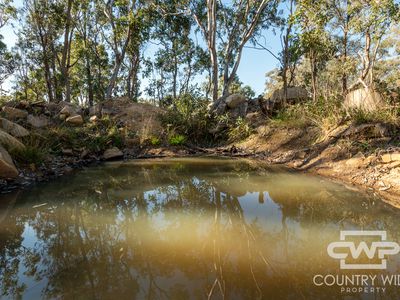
x=227, y=28
x=92, y=68
x=177, y=59
x=70, y=11
x=312, y=17
x=291, y=48
x=40, y=21
x=121, y=22
x=371, y=22
x=341, y=25
x=7, y=63
x=7, y=12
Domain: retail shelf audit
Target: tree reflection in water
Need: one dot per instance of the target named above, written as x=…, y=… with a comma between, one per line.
x=179, y=229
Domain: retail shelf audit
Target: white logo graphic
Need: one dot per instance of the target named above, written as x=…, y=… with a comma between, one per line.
x=339, y=250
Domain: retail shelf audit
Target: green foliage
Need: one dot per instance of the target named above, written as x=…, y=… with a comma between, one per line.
x=239, y=130
x=29, y=155
x=95, y=138
x=155, y=141
x=188, y=115
x=385, y=115
x=322, y=113
x=177, y=140
x=35, y=151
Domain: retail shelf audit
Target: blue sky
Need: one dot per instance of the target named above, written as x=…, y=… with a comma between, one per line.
x=254, y=63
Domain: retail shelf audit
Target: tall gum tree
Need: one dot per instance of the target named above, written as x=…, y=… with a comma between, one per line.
x=227, y=28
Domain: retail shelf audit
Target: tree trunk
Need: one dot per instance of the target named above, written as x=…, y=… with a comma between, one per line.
x=344, y=75
x=313, y=75
x=285, y=65
x=214, y=79
x=65, y=58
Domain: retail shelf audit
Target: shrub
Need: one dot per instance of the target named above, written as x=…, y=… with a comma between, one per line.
x=34, y=152
x=386, y=115
x=177, y=140
x=29, y=155
x=188, y=115
x=239, y=130
x=155, y=141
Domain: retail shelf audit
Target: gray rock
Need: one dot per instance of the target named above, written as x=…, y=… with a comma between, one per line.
x=106, y=112
x=239, y=111
x=234, y=100
x=112, y=153
x=363, y=99
x=37, y=121
x=294, y=94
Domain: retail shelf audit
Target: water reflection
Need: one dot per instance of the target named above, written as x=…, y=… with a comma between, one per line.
x=180, y=229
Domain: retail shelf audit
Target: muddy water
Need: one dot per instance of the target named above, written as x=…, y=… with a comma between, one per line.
x=189, y=229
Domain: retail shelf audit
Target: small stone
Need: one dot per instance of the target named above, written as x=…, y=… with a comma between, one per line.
x=112, y=153
x=69, y=152
x=75, y=120
x=84, y=153
x=394, y=164
x=93, y=119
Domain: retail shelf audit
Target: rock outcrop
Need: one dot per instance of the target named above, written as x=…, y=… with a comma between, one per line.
x=234, y=100
x=7, y=167
x=235, y=105
x=363, y=99
x=294, y=95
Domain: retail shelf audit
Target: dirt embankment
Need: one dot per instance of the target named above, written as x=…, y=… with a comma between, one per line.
x=367, y=155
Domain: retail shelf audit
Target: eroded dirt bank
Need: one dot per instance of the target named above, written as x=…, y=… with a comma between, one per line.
x=366, y=155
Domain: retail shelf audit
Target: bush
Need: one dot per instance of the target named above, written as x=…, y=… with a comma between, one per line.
x=387, y=115
x=35, y=151
x=324, y=113
x=155, y=141
x=29, y=155
x=239, y=130
x=177, y=140
x=188, y=116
